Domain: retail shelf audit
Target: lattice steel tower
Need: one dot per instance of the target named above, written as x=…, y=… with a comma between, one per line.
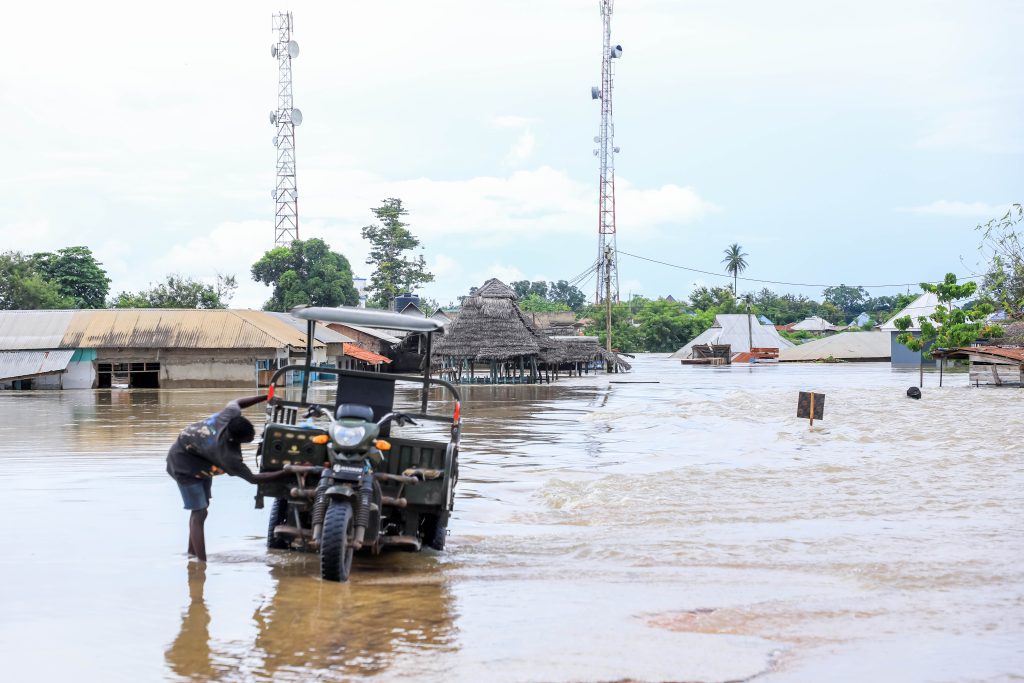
x=607, y=254
x=285, y=118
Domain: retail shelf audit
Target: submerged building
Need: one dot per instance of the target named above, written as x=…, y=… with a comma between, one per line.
x=150, y=348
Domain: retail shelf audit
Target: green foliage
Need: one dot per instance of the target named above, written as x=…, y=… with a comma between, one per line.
x=721, y=299
x=735, y=263
x=538, y=304
x=307, y=272
x=77, y=275
x=180, y=292
x=849, y=301
x=625, y=336
x=23, y=287
x=561, y=294
x=665, y=326
x=394, y=273
x=68, y=278
x=1001, y=245
x=948, y=327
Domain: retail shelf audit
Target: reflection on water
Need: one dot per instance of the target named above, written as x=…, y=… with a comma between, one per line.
x=389, y=620
x=190, y=655
x=692, y=529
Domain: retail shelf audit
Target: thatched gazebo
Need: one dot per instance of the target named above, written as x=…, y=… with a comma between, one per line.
x=491, y=329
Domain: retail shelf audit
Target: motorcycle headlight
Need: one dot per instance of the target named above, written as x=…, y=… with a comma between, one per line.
x=348, y=436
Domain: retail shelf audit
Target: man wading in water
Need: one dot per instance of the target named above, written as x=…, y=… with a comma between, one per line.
x=207, y=448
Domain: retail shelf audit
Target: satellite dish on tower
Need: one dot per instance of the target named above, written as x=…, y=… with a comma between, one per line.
x=273, y=195
x=274, y=141
x=273, y=117
x=273, y=50
x=297, y=117
x=293, y=49
x=597, y=139
x=595, y=93
x=616, y=51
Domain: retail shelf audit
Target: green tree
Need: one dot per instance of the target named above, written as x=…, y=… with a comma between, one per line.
x=179, y=291
x=625, y=336
x=664, y=326
x=77, y=275
x=735, y=263
x=393, y=273
x=1002, y=246
x=948, y=327
x=849, y=300
x=305, y=273
x=538, y=304
x=721, y=299
x=562, y=292
x=23, y=287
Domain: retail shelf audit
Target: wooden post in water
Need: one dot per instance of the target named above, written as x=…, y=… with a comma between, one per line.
x=812, y=409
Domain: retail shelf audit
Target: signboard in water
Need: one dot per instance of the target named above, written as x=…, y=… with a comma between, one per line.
x=810, y=406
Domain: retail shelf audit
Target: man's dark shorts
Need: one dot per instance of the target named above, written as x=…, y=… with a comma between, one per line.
x=197, y=496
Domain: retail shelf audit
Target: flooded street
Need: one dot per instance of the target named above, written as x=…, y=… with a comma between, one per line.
x=687, y=530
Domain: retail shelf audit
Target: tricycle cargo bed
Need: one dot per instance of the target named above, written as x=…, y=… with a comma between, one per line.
x=408, y=454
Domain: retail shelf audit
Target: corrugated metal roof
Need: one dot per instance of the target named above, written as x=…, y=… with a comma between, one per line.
x=20, y=364
x=813, y=324
x=373, y=332
x=356, y=351
x=191, y=329
x=851, y=346
x=147, y=328
x=736, y=330
x=1013, y=354
x=22, y=330
x=923, y=305
x=322, y=333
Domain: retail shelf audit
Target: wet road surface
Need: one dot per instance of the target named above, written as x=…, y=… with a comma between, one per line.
x=690, y=530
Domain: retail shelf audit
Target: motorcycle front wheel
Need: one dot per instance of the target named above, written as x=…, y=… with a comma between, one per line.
x=335, y=549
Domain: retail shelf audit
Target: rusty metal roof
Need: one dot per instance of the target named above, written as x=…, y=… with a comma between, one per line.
x=21, y=330
x=322, y=333
x=192, y=329
x=1014, y=354
x=147, y=328
x=21, y=364
x=356, y=351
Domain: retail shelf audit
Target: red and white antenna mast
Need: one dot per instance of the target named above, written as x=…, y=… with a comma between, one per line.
x=607, y=253
x=284, y=119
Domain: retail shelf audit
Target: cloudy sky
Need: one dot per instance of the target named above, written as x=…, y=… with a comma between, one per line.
x=852, y=143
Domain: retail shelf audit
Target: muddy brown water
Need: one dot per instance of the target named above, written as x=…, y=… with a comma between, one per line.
x=690, y=530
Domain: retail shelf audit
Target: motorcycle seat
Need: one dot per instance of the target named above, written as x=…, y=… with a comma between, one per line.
x=354, y=410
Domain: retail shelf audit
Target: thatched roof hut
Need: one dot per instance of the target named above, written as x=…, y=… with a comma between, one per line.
x=490, y=326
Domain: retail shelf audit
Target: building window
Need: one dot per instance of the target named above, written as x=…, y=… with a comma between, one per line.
x=133, y=375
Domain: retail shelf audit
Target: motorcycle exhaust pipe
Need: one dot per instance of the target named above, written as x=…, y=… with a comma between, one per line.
x=360, y=535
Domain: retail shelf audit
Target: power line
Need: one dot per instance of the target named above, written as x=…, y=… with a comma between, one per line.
x=791, y=284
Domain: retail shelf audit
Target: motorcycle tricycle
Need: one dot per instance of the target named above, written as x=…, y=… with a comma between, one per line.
x=357, y=487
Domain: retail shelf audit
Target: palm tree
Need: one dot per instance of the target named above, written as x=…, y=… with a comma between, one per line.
x=734, y=264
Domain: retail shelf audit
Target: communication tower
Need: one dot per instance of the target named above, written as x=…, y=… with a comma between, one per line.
x=284, y=119
x=607, y=253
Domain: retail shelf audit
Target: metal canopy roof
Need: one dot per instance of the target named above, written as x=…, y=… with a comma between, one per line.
x=22, y=364
x=387, y=320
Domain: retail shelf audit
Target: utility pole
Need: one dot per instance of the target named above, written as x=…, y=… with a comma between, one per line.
x=608, y=297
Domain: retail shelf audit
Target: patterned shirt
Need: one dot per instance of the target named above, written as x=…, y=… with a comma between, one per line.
x=203, y=449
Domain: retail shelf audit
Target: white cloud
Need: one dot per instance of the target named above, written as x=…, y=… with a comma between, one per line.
x=943, y=207
x=522, y=149
x=506, y=274
x=509, y=121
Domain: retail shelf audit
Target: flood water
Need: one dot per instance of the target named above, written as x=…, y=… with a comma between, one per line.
x=688, y=530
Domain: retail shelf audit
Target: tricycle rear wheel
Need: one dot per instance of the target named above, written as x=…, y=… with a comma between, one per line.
x=335, y=549
x=278, y=515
